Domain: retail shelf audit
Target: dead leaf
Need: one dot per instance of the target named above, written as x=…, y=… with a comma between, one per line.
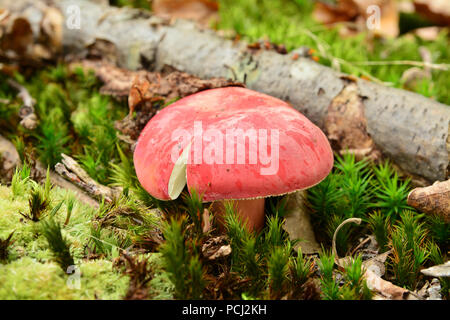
x=215, y=248
x=206, y=220
x=434, y=199
x=52, y=28
x=386, y=289
x=389, y=17
x=9, y=159
x=413, y=77
x=346, y=124
x=344, y=10
x=201, y=11
x=297, y=223
x=442, y=270
x=359, y=13
x=428, y=33
x=376, y=264
x=437, y=11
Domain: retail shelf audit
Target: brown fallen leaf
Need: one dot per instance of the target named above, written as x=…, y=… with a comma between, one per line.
x=215, y=248
x=361, y=14
x=388, y=18
x=437, y=11
x=344, y=10
x=385, y=289
x=428, y=33
x=297, y=223
x=202, y=11
x=434, y=199
x=439, y=271
x=346, y=124
x=9, y=159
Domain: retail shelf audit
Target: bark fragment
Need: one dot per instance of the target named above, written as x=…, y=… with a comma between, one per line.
x=346, y=124
x=434, y=199
x=71, y=170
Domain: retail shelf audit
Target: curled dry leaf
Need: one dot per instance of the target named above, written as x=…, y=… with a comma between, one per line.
x=342, y=262
x=202, y=11
x=434, y=199
x=437, y=11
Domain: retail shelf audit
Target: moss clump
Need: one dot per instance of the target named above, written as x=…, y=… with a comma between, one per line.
x=26, y=278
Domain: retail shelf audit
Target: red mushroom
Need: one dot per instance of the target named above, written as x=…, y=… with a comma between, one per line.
x=231, y=143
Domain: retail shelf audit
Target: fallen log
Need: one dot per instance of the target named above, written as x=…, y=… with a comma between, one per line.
x=410, y=129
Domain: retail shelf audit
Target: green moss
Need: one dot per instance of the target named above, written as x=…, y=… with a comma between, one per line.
x=27, y=278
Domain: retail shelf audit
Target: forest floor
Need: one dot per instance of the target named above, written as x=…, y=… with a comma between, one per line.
x=132, y=245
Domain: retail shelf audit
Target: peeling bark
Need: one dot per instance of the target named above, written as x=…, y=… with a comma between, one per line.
x=410, y=129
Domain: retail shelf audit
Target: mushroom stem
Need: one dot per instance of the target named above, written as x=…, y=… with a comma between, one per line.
x=251, y=212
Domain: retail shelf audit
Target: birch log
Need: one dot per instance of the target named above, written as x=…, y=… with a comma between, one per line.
x=410, y=129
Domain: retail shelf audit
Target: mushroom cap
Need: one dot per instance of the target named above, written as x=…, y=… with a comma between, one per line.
x=292, y=153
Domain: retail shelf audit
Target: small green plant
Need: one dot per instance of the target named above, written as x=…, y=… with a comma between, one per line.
x=409, y=249
x=392, y=195
x=275, y=235
x=278, y=271
x=194, y=208
x=237, y=232
x=58, y=244
x=301, y=269
x=20, y=181
x=379, y=225
x=70, y=202
x=328, y=285
x=4, y=247
x=38, y=204
x=184, y=267
x=354, y=274
x=439, y=230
